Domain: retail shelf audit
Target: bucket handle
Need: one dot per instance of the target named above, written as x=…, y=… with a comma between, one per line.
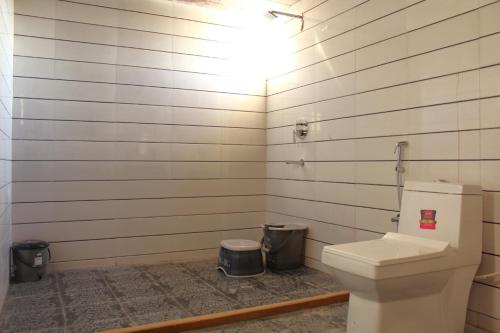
x=23, y=262
x=276, y=248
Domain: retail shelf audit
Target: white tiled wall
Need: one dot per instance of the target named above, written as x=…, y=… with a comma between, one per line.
x=367, y=74
x=136, y=135
x=6, y=49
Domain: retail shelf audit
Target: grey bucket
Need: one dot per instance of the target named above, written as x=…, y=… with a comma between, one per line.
x=284, y=245
x=30, y=259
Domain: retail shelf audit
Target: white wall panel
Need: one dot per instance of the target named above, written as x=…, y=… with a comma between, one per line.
x=6, y=91
x=131, y=119
x=425, y=72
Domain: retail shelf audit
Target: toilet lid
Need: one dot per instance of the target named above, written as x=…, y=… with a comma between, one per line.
x=391, y=249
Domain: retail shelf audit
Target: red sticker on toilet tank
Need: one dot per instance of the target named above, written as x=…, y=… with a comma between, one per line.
x=428, y=219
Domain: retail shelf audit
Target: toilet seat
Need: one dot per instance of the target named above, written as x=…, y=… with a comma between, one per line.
x=391, y=256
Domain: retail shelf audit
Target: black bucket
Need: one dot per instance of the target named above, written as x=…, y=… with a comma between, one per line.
x=30, y=259
x=284, y=245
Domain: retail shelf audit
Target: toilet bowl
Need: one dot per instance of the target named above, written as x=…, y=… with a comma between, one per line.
x=417, y=280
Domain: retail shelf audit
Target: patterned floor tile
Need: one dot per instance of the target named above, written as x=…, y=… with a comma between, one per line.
x=30, y=304
x=43, y=319
x=87, y=297
x=133, y=289
x=186, y=288
x=76, y=285
x=48, y=285
x=79, y=274
x=94, y=300
x=98, y=326
x=150, y=309
x=208, y=303
x=168, y=272
x=252, y=294
x=97, y=312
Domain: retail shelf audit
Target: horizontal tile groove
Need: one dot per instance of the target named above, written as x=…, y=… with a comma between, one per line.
x=483, y=314
x=327, y=19
x=385, y=87
x=121, y=28
x=404, y=160
x=132, y=180
x=379, y=136
x=329, y=182
x=388, y=111
x=399, y=10
x=152, y=14
x=385, y=63
x=121, y=65
x=152, y=142
x=330, y=202
x=122, y=103
x=384, y=40
x=342, y=226
x=133, y=85
x=492, y=254
x=143, y=198
x=153, y=235
x=491, y=286
x=134, y=122
x=320, y=221
x=357, y=27
x=316, y=240
x=121, y=46
x=140, y=217
x=134, y=255
x=156, y=161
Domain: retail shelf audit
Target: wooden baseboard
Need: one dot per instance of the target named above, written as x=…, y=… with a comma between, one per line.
x=227, y=317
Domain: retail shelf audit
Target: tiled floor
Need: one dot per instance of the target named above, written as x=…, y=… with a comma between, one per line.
x=95, y=300
x=326, y=319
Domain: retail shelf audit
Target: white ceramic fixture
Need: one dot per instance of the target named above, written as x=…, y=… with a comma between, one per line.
x=417, y=280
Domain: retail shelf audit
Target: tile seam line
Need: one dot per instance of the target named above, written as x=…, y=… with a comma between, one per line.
x=383, y=40
x=135, y=85
x=389, y=87
x=152, y=161
x=121, y=46
x=130, y=103
x=154, y=235
x=134, y=141
x=387, y=111
x=324, y=222
x=134, y=122
x=144, y=217
x=138, y=199
x=123, y=65
x=329, y=18
x=134, y=255
x=478, y=39
x=345, y=226
x=152, y=14
x=333, y=203
x=395, y=12
x=136, y=180
x=377, y=137
x=121, y=28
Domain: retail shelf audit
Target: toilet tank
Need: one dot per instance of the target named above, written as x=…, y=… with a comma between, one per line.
x=447, y=212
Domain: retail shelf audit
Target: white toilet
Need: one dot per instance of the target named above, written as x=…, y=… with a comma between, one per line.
x=417, y=280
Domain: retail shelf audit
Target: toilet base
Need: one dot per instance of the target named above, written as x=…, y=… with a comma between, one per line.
x=438, y=312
